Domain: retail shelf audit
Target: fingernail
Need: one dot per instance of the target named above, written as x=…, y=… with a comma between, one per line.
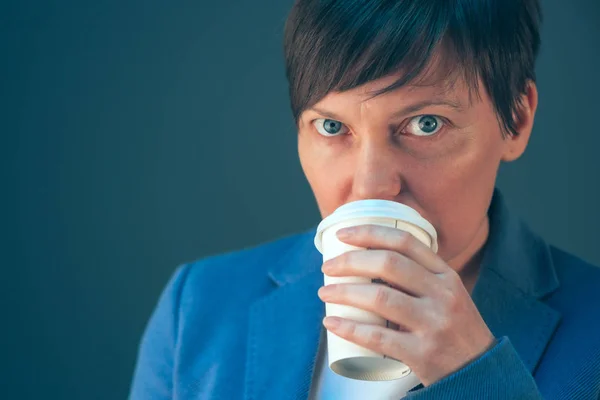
x=328, y=267
x=324, y=292
x=345, y=233
x=332, y=322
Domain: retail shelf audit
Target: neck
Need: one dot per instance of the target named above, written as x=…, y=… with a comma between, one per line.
x=468, y=263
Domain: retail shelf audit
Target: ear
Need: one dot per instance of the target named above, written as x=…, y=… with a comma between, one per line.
x=515, y=145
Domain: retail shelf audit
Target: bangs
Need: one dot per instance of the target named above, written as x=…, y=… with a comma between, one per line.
x=350, y=52
x=339, y=45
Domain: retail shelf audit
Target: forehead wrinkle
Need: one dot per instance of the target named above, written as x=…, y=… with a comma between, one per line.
x=446, y=89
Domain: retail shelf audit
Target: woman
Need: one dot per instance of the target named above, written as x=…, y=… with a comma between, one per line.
x=418, y=102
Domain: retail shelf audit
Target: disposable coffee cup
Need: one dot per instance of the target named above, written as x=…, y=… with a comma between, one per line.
x=346, y=358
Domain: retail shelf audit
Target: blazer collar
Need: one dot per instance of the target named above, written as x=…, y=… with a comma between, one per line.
x=517, y=274
x=515, y=254
x=284, y=328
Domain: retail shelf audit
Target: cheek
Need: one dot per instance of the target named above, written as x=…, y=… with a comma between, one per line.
x=454, y=192
x=323, y=176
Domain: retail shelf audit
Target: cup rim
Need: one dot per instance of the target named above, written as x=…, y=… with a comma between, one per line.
x=375, y=208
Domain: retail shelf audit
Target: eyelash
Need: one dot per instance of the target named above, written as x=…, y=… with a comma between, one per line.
x=397, y=132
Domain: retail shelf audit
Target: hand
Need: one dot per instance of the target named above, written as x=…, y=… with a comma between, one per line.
x=440, y=328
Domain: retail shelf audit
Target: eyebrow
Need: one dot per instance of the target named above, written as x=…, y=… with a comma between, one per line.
x=402, y=112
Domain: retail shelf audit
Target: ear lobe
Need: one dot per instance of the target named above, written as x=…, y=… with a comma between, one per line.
x=515, y=145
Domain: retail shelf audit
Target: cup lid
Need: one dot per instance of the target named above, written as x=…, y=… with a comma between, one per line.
x=379, y=209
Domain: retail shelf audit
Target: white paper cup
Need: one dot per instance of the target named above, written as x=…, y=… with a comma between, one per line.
x=346, y=358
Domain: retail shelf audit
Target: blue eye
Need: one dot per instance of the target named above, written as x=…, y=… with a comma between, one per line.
x=329, y=127
x=425, y=125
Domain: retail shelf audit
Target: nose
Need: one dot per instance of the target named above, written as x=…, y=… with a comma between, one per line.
x=377, y=173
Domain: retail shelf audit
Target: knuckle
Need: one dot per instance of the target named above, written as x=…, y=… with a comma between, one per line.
x=389, y=262
x=447, y=291
x=382, y=296
x=451, y=279
x=421, y=334
x=430, y=316
x=446, y=295
x=369, y=230
x=451, y=301
x=404, y=240
x=341, y=291
x=344, y=258
x=444, y=325
x=349, y=331
x=376, y=339
x=455, y=279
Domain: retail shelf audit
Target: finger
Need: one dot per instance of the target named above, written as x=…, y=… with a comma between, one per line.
x=389, y=303
x=391, y=343
x=387, y=238
x=394, y=268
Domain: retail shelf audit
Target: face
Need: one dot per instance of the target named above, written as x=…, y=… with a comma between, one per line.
x=431, y=147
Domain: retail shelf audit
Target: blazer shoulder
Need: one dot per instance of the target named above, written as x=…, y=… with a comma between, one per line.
x=259, y=255
x=578, y=296
x=574, y=273
x=576, y=341
x=242, y=270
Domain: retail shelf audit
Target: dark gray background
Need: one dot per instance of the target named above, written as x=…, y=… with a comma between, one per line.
x=140, y=135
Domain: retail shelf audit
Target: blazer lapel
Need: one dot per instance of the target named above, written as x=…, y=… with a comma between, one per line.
x=528, y=323
x=285, y=327
x=516, y=273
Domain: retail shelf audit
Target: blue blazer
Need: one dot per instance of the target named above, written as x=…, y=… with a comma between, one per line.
x=247, y=324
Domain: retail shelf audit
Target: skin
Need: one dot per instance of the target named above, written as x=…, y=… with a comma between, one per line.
x=448, y=177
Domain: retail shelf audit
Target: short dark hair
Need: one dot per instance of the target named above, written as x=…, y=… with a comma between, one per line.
x=337, y=45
